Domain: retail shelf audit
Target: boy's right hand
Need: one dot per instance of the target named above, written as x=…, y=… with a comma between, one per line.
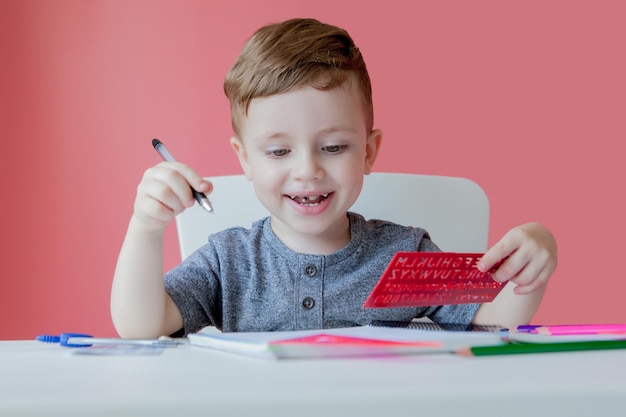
x=164, y=192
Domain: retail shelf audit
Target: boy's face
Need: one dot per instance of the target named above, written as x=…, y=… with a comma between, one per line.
x=306, y=152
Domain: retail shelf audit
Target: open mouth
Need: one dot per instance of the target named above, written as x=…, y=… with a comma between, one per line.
x=309, y=200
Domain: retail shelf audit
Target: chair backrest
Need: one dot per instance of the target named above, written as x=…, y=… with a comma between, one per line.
x=455, y=211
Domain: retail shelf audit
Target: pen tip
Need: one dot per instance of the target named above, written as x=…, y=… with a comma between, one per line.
x=155, y=142
x=206, y=205
x=48, y=338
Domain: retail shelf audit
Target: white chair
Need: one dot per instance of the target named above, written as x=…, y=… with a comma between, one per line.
x=455, y=211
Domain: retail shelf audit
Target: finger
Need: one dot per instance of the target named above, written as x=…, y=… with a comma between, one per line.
x=164, y=184
x=528, y=273
x=510, y=267
x=153, y=214
x=193, y=179
x=502, y=249
x=171, y=178
x=205, y=187
x=154, y=211
x=541, y=280
x=166, y=195
x=536, y=274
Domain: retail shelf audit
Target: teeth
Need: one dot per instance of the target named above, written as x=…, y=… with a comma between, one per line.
x=309, y=199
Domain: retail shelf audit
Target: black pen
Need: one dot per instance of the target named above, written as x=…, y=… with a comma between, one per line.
x=167, y=156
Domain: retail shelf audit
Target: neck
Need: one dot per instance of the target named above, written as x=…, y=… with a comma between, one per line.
x=325, y=243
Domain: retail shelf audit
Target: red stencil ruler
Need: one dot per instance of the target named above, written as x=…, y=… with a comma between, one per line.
x=414, y=279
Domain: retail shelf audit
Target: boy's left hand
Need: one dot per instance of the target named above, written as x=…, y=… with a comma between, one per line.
x=531, y=257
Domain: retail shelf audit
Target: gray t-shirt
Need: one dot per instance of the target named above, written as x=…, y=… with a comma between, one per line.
x=248, y=280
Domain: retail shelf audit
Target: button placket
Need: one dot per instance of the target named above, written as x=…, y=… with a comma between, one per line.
x=310, y=271
x=309, y=295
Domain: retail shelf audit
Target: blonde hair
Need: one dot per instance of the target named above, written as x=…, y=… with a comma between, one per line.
x=292, y=54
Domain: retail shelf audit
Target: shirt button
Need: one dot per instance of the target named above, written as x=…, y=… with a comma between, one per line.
x=308, y=303
x=310, y=270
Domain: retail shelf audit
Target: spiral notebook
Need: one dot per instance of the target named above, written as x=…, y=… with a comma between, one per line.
x=379, y=339
x=432, y=326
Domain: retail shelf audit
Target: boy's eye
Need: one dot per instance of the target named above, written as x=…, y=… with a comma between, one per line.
x=334, y=148
x=277, y=153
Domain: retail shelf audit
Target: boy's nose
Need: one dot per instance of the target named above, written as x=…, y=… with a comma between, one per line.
x=307, y=168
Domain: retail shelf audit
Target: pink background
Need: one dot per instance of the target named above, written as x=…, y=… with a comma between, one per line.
x=525, y=98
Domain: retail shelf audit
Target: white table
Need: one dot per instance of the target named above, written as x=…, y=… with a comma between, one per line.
x=42, y=379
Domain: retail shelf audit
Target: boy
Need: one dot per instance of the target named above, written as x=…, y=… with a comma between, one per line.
x=302, y=117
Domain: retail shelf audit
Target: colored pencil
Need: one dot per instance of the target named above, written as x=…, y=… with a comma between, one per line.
x=527, y=328
x=571, y=329
x=522, y=348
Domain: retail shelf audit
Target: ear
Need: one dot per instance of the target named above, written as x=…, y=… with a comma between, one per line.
x=240, y=151
x=372, y=146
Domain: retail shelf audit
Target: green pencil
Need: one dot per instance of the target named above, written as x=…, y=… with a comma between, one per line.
x=518, y=348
